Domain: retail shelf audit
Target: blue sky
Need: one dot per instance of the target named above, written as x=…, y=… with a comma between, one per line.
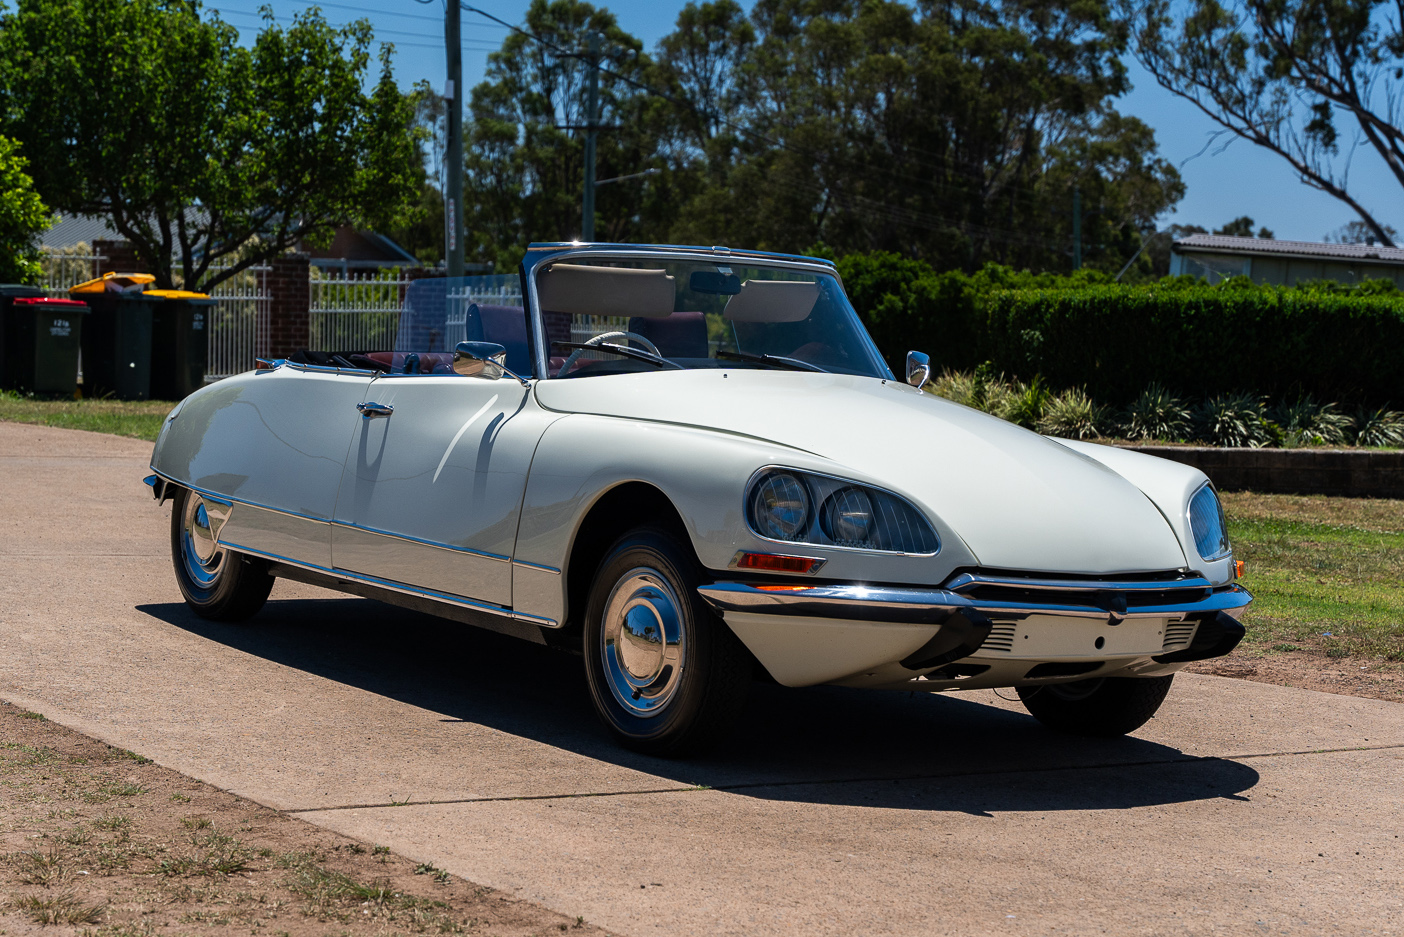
x=1221, y=185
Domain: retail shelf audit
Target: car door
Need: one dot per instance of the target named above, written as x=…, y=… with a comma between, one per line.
x=433, y=482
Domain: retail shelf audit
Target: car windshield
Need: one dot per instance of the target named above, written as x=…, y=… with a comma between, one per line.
x=609, y=316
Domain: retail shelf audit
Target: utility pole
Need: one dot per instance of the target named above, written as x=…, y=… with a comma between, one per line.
x=1077, y=229
x=453, y=172
x=592, y=107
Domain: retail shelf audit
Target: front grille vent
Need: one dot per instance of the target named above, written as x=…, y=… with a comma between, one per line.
x=1001, y=638
x=1178, y=635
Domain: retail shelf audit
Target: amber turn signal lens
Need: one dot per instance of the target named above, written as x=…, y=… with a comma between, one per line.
x=784, y=588
x=1239, y=568
x=778, y=564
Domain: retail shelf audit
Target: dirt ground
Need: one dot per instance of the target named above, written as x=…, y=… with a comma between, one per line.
x=100, y=842
x=1313, y=670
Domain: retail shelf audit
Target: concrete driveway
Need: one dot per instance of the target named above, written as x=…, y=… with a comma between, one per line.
x=1242, y=808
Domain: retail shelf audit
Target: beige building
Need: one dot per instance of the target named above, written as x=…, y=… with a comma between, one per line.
x=1284, y=263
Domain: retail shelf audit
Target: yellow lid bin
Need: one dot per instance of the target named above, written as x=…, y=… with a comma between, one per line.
x=115, y=283
x=177, y=294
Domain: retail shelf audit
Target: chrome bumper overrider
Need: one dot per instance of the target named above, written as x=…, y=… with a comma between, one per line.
x=917, y=605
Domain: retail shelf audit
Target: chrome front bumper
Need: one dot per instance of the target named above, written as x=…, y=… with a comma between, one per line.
x=925, y=606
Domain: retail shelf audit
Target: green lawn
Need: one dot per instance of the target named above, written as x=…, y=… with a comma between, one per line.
x=1328, y=573
x=138, y=418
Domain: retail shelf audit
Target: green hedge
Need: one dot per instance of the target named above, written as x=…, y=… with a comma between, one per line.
x=1194, y=339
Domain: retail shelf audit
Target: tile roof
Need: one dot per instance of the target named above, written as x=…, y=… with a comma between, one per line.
x=1218, y=243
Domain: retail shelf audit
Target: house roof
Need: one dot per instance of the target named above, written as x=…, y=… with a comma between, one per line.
x=1301, y=250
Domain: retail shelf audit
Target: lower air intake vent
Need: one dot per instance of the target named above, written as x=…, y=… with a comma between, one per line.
x=1178, y=635
x=1062, y=669
x=1001, y=638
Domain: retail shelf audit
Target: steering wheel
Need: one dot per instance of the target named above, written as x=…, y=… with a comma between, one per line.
x=600, y=340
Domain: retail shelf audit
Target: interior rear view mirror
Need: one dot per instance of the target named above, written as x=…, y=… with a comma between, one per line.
x=710, y=281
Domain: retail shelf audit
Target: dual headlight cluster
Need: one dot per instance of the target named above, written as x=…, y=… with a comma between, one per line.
x=1207, y=524
x=802, y=507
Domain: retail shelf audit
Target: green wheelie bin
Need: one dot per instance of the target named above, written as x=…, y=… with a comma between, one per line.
x=180, y=342
x=117, y=336
x=42, y=339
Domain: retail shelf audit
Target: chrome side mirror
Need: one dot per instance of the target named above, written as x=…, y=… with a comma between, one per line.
x=483, y=359
x=918, y=368
x=479, y=359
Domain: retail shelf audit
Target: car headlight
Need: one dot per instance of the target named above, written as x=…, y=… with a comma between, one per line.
x=780, y=506
x=1207, y=524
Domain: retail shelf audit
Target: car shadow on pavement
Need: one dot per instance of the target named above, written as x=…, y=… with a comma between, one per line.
x=820, y=744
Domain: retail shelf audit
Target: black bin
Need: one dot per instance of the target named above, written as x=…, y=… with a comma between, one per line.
x=180, y=342
x=9, y=291
x=42, y=338
x=117, y=337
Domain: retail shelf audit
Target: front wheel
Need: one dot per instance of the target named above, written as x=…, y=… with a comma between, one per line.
x=217, y=583
x=666, y=675
x=1103, y=707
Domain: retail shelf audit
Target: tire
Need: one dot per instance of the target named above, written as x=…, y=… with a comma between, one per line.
x=673, y=696
x=217, y=583
x=1102, y=707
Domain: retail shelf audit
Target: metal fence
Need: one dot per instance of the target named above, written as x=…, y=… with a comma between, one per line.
x=351, y=313
x=62, y=270
x=239, y=322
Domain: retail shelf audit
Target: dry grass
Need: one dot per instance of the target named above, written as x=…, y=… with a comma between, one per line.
x=104, y=843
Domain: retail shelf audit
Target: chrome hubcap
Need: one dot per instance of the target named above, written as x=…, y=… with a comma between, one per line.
x=200, y=552
x=643, y=647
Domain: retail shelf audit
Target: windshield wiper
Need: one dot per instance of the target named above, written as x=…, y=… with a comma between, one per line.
x=620, y=350
x=779, y=361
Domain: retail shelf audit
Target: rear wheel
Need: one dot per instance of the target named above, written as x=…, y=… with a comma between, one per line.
x=217, y=583
x=1106, y=706
x=667, y=676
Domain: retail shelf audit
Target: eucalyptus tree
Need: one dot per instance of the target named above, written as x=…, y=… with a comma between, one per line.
x=1310, y=80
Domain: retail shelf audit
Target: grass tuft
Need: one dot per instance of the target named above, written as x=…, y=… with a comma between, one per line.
x=57, y=909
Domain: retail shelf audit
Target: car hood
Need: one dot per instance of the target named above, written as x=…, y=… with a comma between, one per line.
x=1018, y=500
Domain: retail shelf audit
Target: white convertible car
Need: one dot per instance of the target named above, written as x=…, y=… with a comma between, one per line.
x=692, y=466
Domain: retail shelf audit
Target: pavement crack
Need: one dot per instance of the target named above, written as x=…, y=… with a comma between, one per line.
x=810, y=782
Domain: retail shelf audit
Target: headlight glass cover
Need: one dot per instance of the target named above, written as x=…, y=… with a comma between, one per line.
x=1208, y=525
x=803, y=507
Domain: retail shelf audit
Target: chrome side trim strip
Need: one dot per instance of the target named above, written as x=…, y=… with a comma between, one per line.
x=393, y=586
x=537, y=566
x=916, y=605
x=966, y=581
x=227, y=499
x=230, y=499
x=428, y=543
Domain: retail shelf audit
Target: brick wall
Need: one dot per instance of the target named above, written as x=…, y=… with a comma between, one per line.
x=117, y=257
x=1351, y=472
x=289, y=325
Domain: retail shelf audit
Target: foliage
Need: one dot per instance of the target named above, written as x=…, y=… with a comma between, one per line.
x=1073, y=415
x=1307, y=422
x=1380, y=427
x=1156, y=414
x=1195, y=339
x=23, y=218
x=1232, y=420
x=1297, y=77
x=955, y=131
x=195, y=146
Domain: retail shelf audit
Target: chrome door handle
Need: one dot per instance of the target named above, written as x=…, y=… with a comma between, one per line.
x=370, y=408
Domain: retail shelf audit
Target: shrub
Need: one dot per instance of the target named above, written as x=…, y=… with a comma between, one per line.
x=1156, y=414
x=1073, y=415
x=1199, y=340
x=1233, y=420
x=1020, y=403
x=1380, y=428
x=1308, y=423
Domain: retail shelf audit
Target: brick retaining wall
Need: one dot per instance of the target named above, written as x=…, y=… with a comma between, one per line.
x=1354, y=473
